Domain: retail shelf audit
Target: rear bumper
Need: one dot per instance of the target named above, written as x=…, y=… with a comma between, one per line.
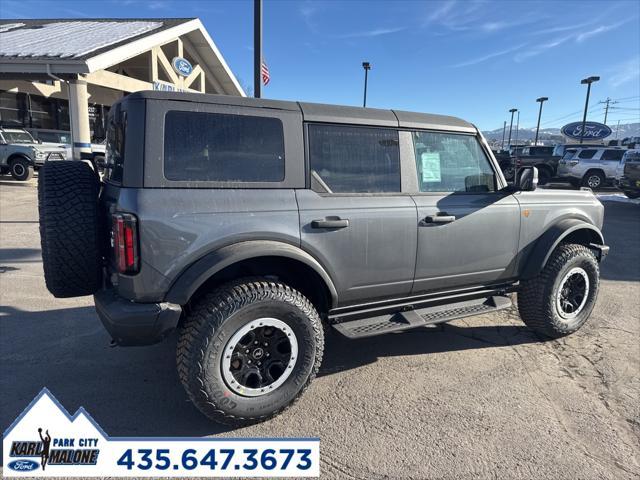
x=131, y=323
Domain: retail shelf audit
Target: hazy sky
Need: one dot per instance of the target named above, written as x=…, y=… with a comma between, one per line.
x=473, y=59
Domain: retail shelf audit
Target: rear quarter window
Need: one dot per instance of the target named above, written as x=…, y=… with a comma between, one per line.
x=223, y=147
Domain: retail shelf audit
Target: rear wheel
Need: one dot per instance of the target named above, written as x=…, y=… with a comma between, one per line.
x=544, y=175
x=593, y=179
x=69, y=228
x=560, y=299
x=249, y=350
x=21, y=169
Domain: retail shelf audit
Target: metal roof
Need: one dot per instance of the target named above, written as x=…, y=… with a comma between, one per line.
x=73, y=39
x=324, y=113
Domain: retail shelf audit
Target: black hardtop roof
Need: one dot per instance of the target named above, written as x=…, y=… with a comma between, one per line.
x=318, y=112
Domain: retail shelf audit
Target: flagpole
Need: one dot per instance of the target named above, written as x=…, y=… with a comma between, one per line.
x=257, y=47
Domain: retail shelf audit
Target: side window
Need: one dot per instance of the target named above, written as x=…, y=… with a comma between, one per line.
x=223, y=148
x=114, y=157
x=586, y=154
x=452, y=163
x=355, y=159
x=615, y=155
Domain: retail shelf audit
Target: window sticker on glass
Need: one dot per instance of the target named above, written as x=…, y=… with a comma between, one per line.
x=430, y=167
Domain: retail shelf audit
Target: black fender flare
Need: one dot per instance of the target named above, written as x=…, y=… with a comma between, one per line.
x=550, y=239
x=207, y=266
x=22, y=156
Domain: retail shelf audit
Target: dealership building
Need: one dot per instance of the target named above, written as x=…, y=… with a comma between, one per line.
x=62, y=76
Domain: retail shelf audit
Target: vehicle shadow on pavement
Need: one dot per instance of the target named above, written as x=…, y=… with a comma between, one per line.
x=135, y=391
x=20, y=255
x=128, y=391
x=339, y=351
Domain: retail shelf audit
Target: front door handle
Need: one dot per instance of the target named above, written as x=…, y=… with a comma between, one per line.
x=330, y=222
x=439, y=218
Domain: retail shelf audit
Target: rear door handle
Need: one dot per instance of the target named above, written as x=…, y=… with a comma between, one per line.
x=330, y=222
x=439, y=218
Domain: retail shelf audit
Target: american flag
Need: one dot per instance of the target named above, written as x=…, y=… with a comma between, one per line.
x=264, y=70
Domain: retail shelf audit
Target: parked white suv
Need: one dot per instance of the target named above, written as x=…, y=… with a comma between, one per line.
x=590, y=167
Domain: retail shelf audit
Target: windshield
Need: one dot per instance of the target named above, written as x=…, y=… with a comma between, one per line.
x=17, y=137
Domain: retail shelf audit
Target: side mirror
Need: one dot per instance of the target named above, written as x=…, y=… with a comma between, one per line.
x=527, y=179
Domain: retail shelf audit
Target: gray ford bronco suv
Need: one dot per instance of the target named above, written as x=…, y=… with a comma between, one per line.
x=252, y=227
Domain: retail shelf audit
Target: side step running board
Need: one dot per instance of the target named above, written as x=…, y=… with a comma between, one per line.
x=396, y=322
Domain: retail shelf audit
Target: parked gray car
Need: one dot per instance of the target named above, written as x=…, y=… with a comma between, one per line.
x=20, y=153
x=590, y=167
x=254, y=226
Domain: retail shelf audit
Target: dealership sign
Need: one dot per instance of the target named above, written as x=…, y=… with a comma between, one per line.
x=592, y=130
x=182, y=66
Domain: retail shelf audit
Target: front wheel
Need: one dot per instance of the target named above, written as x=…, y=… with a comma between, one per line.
x=560, y=299
x=249, y=350
x=21, y=170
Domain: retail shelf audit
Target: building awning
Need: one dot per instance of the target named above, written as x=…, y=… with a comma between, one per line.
x=33, y=49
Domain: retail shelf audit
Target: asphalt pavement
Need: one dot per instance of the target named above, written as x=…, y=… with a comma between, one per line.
x=477, y=398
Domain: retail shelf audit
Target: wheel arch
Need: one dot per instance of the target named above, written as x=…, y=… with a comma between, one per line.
x=288, y=263
x=571, y=230
x=15, y=156
x=592, y=170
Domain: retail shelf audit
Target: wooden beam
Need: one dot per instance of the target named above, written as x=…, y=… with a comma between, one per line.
x=193, y=76
x=116, y=81
x=166, y=65
x=153, y=65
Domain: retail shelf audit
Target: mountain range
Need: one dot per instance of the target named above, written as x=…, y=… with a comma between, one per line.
x=625, y=130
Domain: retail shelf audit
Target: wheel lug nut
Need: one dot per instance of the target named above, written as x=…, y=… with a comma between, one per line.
x=246, y=351
x=249, y=361
x=255, y=343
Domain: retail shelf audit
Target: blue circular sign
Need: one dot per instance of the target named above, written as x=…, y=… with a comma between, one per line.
x=592, y=131
x=182, y=66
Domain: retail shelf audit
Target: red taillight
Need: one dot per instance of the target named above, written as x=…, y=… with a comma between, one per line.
x=125, y=242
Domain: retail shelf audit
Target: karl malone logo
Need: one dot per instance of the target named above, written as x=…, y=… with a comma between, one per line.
x=62, y=453
x=63, y=441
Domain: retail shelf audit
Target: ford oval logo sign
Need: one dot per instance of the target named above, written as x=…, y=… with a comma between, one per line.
x=592, y=131
x=23, y=465
x=182, y=66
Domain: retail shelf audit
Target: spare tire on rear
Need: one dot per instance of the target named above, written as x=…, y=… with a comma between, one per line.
x=69, y=228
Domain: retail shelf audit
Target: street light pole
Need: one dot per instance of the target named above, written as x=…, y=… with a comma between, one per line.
x=367, y=67
x=513, y=110
x=541, y=100
x=504, y=130
x=257, y=47
x=588, y=81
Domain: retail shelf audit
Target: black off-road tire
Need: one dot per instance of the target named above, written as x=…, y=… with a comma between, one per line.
x=537, y=297
x=70, y=228
x=215, y=318
x=21, y=169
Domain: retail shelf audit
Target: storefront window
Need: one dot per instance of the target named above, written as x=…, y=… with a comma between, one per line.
x=13, y=108
x=43, y=112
